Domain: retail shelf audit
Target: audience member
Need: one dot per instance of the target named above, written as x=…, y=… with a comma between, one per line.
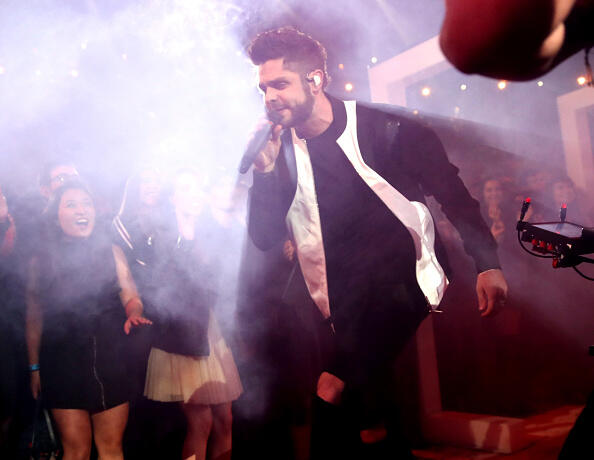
x=134, y=227
x=496, y=209
x=564, y=192
x=28, y=211
x=190, y=362
x=10, y=350
x=78, y=283
x=534, y=185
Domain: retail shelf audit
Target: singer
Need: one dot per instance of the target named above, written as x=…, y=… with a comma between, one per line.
x=347, y=181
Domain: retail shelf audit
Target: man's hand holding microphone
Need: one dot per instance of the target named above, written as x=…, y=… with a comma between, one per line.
x=264, y=146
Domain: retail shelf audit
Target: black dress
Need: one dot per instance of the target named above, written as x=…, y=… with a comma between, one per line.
x=81, y=347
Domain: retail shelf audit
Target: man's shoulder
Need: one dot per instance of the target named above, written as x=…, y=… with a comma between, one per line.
x=407, y=119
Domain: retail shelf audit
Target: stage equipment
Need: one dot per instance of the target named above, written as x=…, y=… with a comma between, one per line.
x=563, y=242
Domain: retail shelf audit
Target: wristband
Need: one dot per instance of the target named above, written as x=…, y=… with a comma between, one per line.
x=34, y=367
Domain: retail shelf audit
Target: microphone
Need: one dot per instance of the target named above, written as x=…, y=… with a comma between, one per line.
x=256, y=144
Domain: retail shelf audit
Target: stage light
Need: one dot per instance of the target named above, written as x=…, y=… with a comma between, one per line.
x=463, y=87
x=374, y=60
x=415, y=112
x=540, y=82
x=83, y=46
x=124, y=56
x=2, y=70
x=502, y=84
x=456, y=110
x=349, y=87
x=426, y=91
x=38, y=73
x=581, y=80
x=74, y=73
x=341, y=66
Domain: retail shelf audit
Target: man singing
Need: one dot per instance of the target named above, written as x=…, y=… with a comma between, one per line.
x=348, y=182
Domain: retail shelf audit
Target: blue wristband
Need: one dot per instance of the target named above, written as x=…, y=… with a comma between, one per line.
x=34, y=367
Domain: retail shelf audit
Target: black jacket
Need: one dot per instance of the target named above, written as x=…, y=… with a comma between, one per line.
x=408, y=155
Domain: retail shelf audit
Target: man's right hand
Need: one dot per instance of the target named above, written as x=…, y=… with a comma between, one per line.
x=35, y=384
x=266, y=159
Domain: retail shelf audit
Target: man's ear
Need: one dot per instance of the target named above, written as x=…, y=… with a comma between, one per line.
x=316, y=77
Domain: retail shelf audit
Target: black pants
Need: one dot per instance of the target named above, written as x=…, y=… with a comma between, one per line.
x=372, y=328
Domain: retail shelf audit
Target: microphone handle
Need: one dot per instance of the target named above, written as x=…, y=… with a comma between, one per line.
x=254, y=147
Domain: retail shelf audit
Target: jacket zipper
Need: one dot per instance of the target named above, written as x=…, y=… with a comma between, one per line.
x=96, y=375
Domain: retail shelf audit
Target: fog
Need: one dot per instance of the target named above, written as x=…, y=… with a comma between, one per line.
x=119, y=86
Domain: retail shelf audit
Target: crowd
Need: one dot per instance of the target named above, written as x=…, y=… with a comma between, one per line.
x=101, y=314
x=501, y=195
x=501, y=200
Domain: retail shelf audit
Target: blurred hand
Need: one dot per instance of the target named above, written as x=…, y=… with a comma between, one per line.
x=330, y=388
x=497, y=230
x=491, y=290
x=289, y=250
x=494, y=212
x=135, y=320
x=35, y=384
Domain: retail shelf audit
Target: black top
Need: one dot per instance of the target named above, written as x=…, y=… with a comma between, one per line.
x=408, y=155
x=83, y=341
x=361, y=235
x=78, y=289
x=177, y=280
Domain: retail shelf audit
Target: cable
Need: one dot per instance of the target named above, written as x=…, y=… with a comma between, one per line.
x=581, y=274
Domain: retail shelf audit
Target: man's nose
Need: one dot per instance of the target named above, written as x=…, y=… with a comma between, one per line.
x=271, y=95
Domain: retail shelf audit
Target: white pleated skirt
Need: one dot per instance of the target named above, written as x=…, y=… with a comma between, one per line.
x=207, y=380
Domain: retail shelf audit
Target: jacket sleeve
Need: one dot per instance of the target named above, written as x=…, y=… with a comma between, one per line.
x=439, y=178
x=267, y=210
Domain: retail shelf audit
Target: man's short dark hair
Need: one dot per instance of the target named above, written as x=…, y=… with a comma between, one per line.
x=294, y=46
x=47, y=168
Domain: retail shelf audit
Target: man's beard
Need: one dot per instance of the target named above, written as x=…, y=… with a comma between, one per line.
x=298, y=113
x=303, y=111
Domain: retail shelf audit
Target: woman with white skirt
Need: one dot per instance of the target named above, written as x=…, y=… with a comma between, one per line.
x=189, y=361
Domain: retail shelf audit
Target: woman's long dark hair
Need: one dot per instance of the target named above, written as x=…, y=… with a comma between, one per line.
x=52, y=229
x=90, y=257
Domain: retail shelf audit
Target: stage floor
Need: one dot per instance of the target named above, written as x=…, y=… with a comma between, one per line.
x=547, y=432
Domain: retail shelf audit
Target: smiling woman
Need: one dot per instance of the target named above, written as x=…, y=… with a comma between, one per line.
x=77, y=286
x=76, y=213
